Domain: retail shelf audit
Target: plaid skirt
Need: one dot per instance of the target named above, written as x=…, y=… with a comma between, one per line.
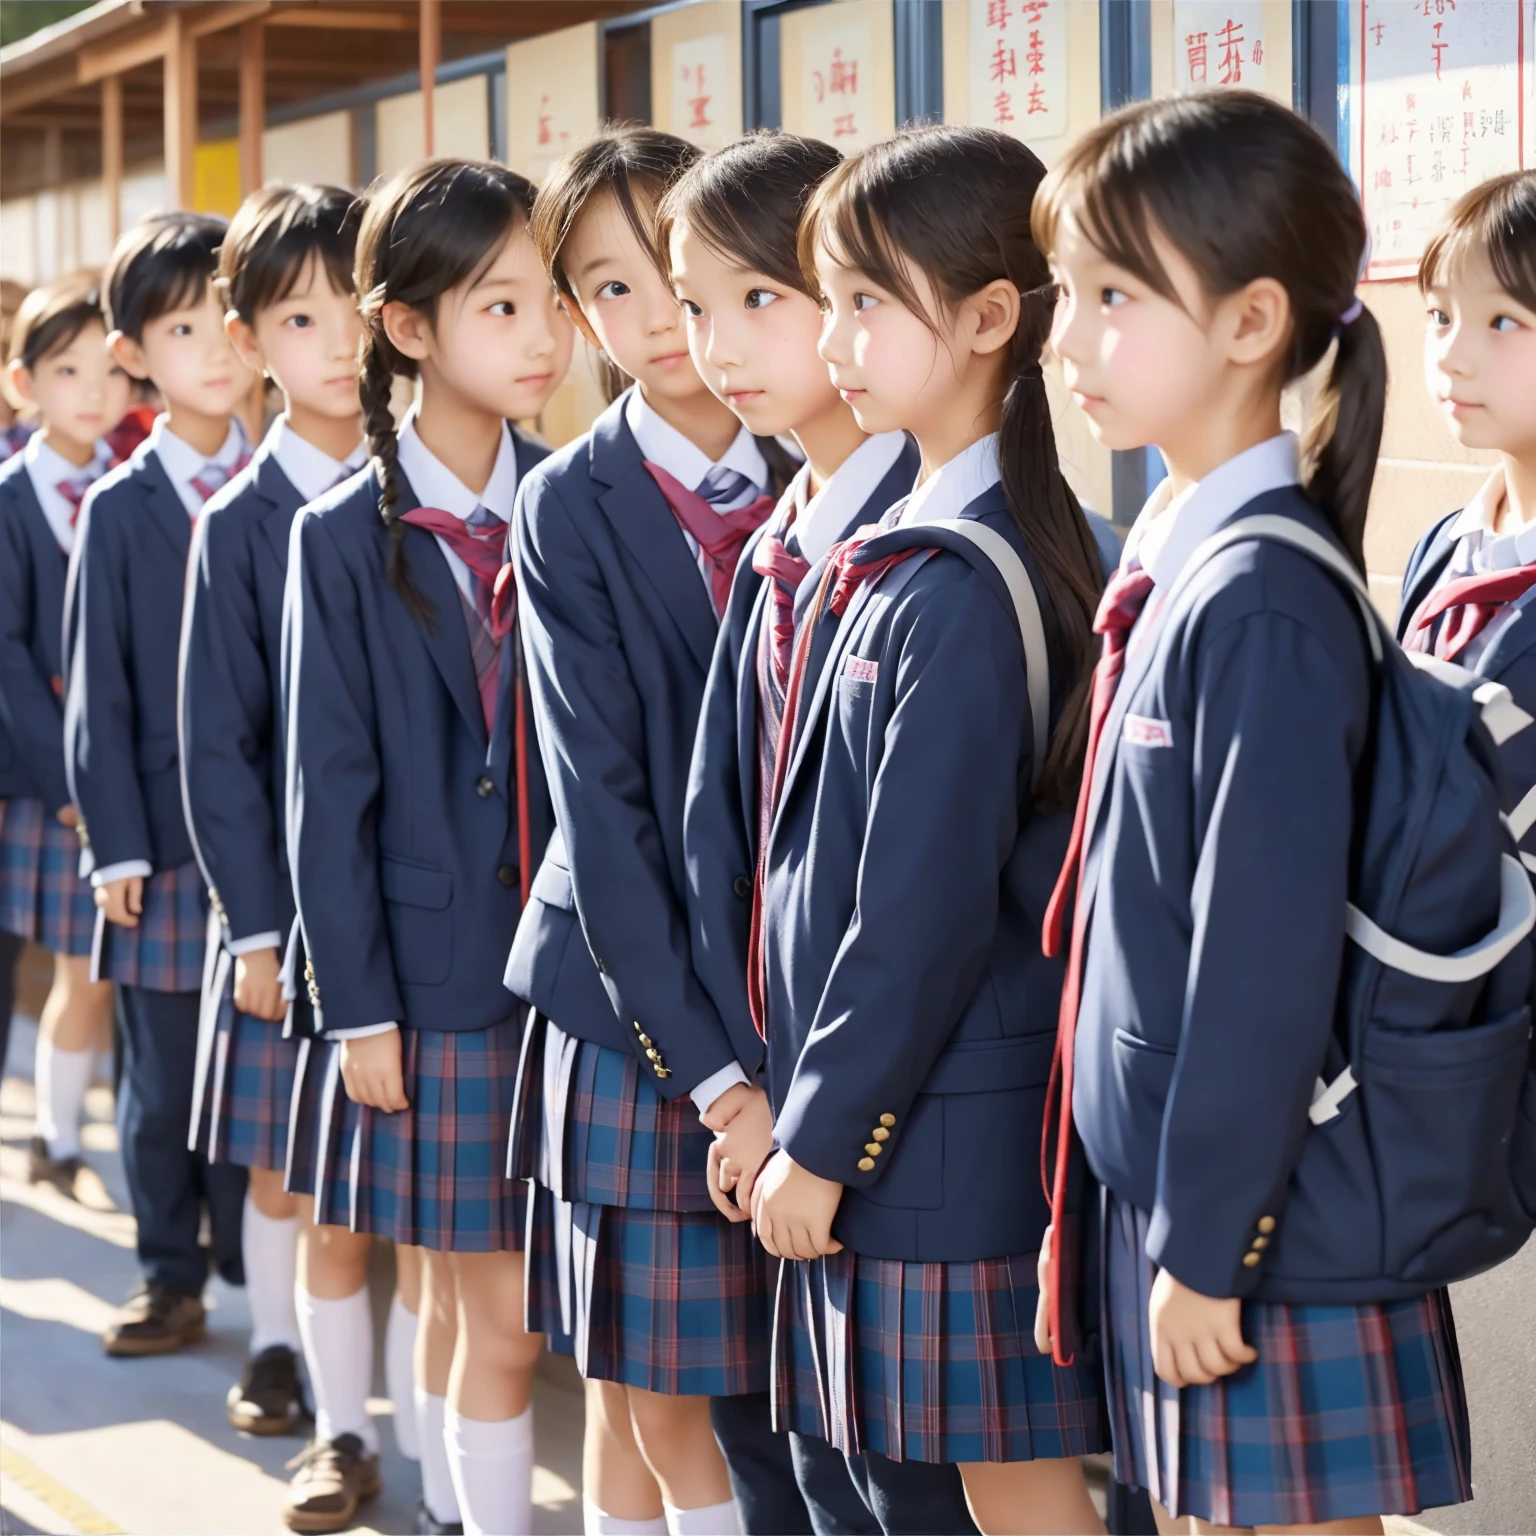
x=676, y=1302
x=430, y=1175
x=245, y=1076
x=42, y=896
x=1348, y=1411
x=168, y=950
x=932, y=1362
x=304, y=1117
x=591, y=1129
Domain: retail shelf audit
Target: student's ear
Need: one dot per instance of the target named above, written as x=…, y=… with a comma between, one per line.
x=128, y=355
x=1257, y=321
x=993, y=314
x=18, y=384
x=243, y=339
x=409, y=331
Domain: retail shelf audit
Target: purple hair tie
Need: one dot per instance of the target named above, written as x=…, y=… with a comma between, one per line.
x=1349, y=317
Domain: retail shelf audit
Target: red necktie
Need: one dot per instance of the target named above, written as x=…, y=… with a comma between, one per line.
x=129, y=433
x=785, y=572
x=73, y=489
x=482, y=547
x=1471, y=603
x=720, y=535
x=213, y=477
x=1124, y=598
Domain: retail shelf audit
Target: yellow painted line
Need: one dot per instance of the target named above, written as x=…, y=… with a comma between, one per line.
x=86, y=1519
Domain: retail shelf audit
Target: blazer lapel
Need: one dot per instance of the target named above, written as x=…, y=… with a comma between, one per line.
x=49, y=562
x=284, y=500
x=1425, y=577
x=446, y=640
x=167, y=510
x=1510, y=644
x=747, y=717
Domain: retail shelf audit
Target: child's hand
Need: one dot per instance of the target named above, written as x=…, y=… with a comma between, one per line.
x=370, y=1068
x=68, y=816
x=1195, y=1338
x=743, y=1147
x=792, y=1210
x=720, y=1185
x=259, y=985
x=122, y=900
x=726, y=1107
x=1043, y=1341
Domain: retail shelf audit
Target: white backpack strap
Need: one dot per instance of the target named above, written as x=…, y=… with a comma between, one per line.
x=1503, y=717
x=1026, y=607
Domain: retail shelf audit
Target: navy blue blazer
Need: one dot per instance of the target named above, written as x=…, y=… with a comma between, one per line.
x=619, y=633
x=1217, y=877
x=122, y=627
x=232, y=775
x=720, y=819
x=32, y=573
x=1510, y=659
x=402, y=815
x=906, y=884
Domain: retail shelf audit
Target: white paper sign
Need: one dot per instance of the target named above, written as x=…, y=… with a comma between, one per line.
x=1220, y=42
x=698, y=82
x=836, y=66
x=1019, y=66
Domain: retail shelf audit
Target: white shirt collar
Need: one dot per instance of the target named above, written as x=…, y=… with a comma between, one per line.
x=183, y=463
x=310, y=470
x=951, y=488
x=1480, y=548
x=820, y=521
x=661, y=443
x=438, y=486
x=1171, y=528
x=46, y=467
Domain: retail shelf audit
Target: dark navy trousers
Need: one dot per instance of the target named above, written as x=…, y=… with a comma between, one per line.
x=168, y=1183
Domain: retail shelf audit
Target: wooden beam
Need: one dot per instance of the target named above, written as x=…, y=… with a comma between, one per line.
x=221, y=17
x=253, y=102
x=360, y=20
x=112, y=153
x=180, y=112
x=431, y=56
x=139, y=47
x=38, y=86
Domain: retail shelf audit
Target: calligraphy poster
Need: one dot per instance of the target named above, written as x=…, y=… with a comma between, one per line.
x=696, y=72
x=552, y=100
x=1220, y=42
x=1018, y=66
x=698, y=78
x=838, y=72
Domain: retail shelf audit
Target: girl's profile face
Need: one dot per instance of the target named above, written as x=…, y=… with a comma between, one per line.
x=1140, y=365
x=1480, y=358
x=887, y=362
x=501, y=339
x=626, y=307
x=752, y=338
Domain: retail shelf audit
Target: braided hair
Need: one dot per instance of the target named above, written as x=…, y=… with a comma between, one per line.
x=430, y=228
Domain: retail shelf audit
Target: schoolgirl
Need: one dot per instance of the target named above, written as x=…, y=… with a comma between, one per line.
x=626, y=543
x=1212, y=849
x=1469, y=583
x=915, y=830
x=729, y=230
x=59, y=367
x=285, y=275
x=411, y=806
x=122, y=625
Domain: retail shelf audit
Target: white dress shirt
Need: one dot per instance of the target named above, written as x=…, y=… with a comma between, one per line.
x=952, y=487
x=819, y=521
x=45, y=468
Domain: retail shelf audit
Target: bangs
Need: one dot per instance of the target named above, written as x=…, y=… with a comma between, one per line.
x=1497, y=220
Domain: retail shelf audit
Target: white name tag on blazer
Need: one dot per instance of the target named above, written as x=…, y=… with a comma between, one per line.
x=1143, y=731
x=861, y=669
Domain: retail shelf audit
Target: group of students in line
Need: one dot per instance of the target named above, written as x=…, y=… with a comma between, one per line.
x=699, y=877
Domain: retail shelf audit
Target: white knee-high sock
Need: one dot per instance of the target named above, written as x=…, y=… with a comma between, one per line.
x=62, y=1078
x=400, y=1377
x=271, y=1247
x=437, y=1490
x=338, y=1349
x=711, y=1520
x=492, y=1466
x=595, y=1522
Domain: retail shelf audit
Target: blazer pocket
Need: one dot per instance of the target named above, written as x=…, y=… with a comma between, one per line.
x=154, y=754
x=418, y=911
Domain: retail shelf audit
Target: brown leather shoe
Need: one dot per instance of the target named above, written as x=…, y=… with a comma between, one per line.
x=73, y=1178
x=268, y=1399
x=155, y=1321
x=331, y=1478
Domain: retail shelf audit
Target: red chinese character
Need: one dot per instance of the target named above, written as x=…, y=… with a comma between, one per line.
x=1004, y=63
x=1195, y=51
x=1437, y=47
x=1036, y=54
x=545, y=118
x=1037, y=102
x=1230, y=39
x=1002, y=108
x=1033, y=10
x=1258, y=51
x=700, y=118
x=1378, y=29
x=843, y=126
x=845, y=75
x=997, y=14
x=1383, y=179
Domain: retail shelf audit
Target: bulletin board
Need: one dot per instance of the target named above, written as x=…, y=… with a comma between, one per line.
x=696, y=72
x=838, y=72
x=1205, y=44
x=1440, y=99
x=1029, y=68
x=552, y=97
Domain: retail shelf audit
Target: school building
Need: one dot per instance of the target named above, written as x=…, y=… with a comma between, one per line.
x=131, y=105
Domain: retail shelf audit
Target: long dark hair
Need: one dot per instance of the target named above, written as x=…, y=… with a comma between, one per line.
x=428, y=229
x=953, y=204
x=1243, y=188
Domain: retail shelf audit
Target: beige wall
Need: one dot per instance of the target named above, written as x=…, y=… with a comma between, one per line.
x=461, y=125
x=316, y=150
x=552, y=98
x=838, y=72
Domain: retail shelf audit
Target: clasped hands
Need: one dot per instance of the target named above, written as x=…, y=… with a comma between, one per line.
x=790, y=1208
